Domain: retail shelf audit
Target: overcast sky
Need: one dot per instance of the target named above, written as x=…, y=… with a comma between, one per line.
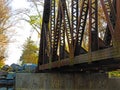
x=22, y=31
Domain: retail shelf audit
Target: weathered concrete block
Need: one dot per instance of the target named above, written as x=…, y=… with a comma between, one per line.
x=66, y=81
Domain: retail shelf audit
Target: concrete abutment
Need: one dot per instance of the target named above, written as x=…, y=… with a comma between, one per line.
x=66, y=81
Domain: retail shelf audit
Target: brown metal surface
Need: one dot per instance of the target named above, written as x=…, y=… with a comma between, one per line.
x=82, y=19
x=117, y=27
x=106, y=8
x=67, y=26
x=100, y=55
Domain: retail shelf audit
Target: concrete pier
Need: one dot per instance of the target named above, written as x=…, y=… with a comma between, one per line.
x=66, y=81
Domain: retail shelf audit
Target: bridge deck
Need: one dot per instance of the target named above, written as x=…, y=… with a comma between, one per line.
x=96, y=56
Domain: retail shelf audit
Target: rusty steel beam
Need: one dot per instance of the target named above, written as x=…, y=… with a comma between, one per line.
x=99, y=56
x=66, y=20
x=93, y=25
x=107, y=9
x=68, y=29
x=81, y=27
x=43, y=57
x=63, y=30
x=52, y=19
x=117, y=26
x=112, y=14
x=63, y=53
x=74, y=18
x=56, y=35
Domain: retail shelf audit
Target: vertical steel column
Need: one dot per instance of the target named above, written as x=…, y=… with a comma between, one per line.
x=43, y=57
x=106, y=8
x=110, y=8
x=118, y=10
x=81, y=27
x=117, y=27
x=52, y=27
x=62, y=51
x=93, y=24
x=56, y=34
x=74, y=18
x=52, y=21
x=118, y=17
x=66, y=18
x=68, y=30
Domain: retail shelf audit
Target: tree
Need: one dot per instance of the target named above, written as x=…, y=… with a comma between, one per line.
x=114, y=73
x=4, y=26
x=30, y=52
x=33, y=15
x=35, y=21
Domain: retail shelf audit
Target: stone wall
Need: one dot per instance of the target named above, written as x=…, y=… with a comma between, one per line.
x=66, y=81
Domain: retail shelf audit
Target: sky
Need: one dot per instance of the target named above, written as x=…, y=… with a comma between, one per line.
x=22, y=31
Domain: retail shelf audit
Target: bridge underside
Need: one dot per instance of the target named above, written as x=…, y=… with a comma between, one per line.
x=80, y=35
x=102, y=60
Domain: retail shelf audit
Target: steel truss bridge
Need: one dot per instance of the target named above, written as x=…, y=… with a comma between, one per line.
x=80, y=35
